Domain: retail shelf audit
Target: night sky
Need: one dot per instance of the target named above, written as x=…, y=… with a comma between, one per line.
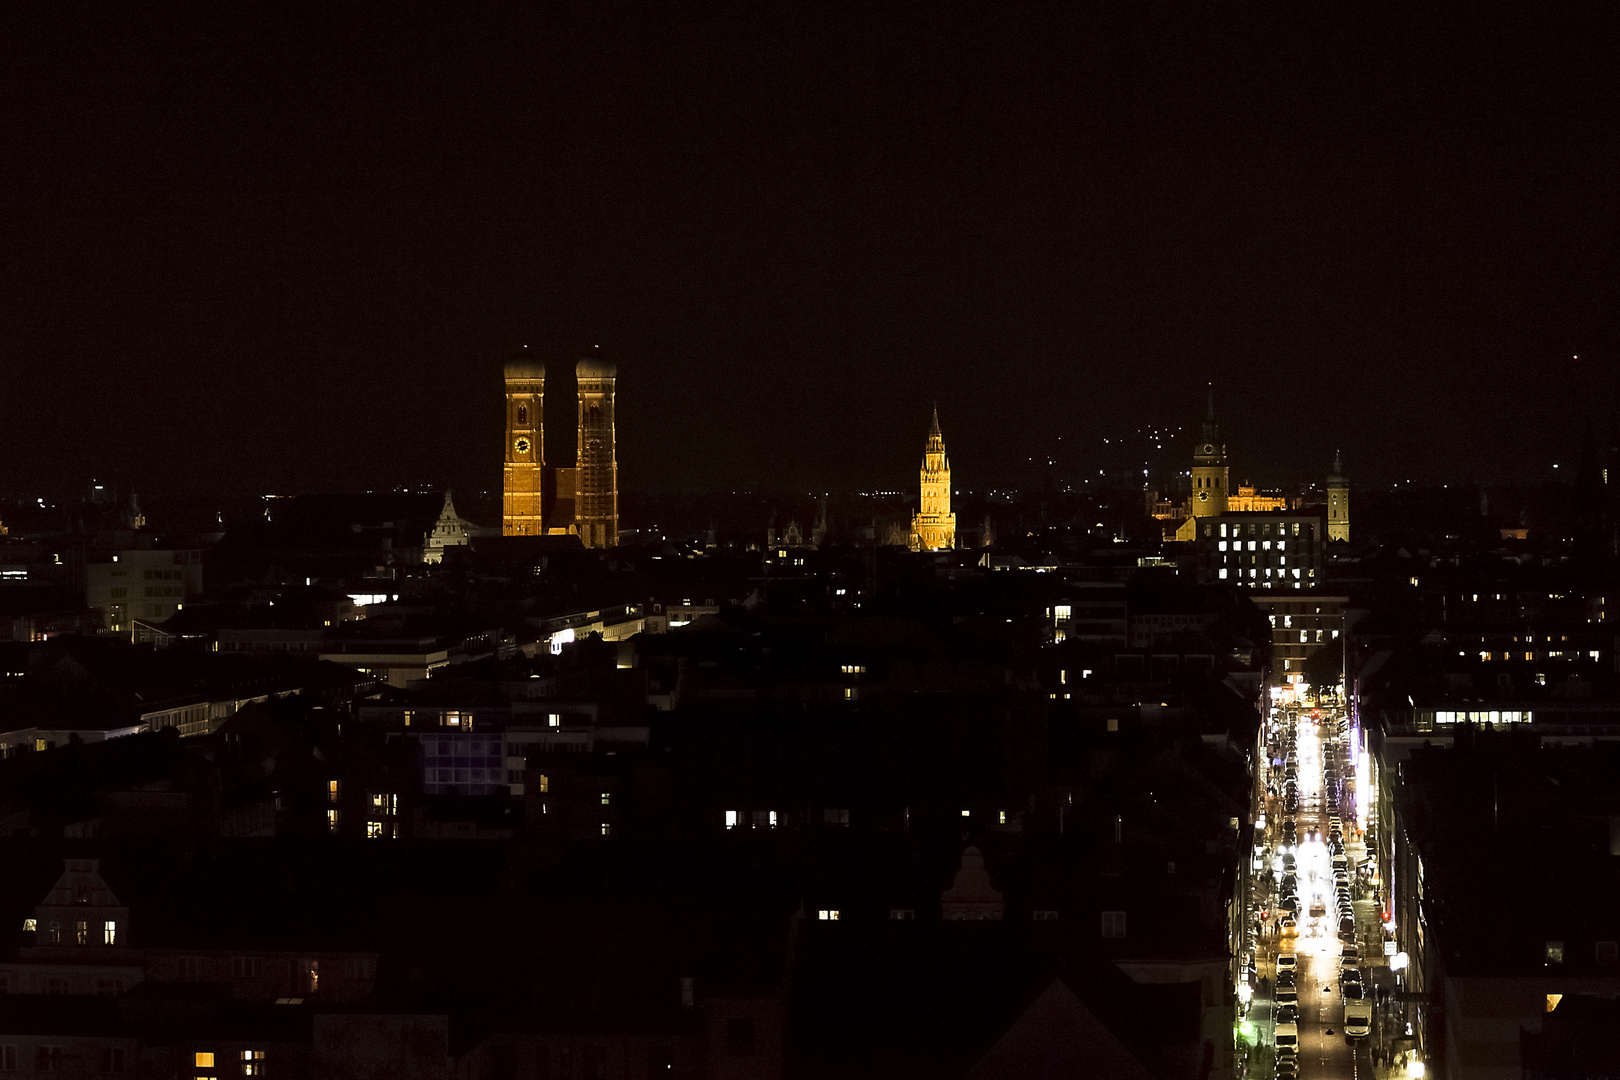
x=255, y=247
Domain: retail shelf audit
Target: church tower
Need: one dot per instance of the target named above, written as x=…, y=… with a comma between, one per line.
x=521, y=512
x=596, y=499
x=934, y=526
x=1338, y=493
x=1209, y=472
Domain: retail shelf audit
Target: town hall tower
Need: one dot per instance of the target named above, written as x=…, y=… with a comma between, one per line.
x=933, y=528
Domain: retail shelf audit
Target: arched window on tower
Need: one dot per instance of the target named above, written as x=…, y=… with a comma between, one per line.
x=523, y=416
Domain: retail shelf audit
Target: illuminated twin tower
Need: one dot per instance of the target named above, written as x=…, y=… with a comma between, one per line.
x=584, y=500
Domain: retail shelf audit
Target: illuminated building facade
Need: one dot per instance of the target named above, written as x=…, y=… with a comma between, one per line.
x=1301, y=623
x=450, y=530
x=1210, y=484
x=522, y=512
x=1248, y=501
x=145, y=585
x=933, y=527
x=1338, y=510
x=1267, y=551
x=596, y=476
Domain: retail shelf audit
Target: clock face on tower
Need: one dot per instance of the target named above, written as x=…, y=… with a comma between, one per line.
x=1208, y=449
x=1203, y=496
x=521, y=446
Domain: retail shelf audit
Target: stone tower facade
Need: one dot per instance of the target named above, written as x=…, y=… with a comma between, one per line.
x=596, y=477
x=1210, y=483
x=1338, y=510
x=933, y=527
x=521, y=490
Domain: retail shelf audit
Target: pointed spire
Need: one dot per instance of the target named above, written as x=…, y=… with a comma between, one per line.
x=933, y=429
x=1211, y=414
x=1338, y=464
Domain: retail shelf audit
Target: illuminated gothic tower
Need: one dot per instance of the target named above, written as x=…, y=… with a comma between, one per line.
x=525, y=458
x=1209, y=481
x=1338, y=492
x=933, y=528
x=596, y=498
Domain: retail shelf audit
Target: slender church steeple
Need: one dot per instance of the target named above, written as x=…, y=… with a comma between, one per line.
x=1338, y=493
x=1209, y=472
x=933, y=528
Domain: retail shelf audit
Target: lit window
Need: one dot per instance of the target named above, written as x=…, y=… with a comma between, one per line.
x=967, y=813
x=1223, y=573
x=109, y=932
x=827, y=914
x=81, y=931
x=607, y=798
x=545, y=783
x=1221, y=545
x=731, y=819
x=607, y=830
x=331, y=791
x=554, y=720
x=253, y=1063
x=332, y=820
x=1001, y=817
x=204, y=1059
x=374, y=830
x=1061, y=611
x=1555, y=952
x=30, y=925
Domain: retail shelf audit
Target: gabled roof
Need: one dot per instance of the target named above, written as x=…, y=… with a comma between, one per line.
x=80, y=884
x=1058, y=1036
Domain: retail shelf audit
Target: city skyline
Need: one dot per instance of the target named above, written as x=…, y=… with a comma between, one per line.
x=284, y=251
